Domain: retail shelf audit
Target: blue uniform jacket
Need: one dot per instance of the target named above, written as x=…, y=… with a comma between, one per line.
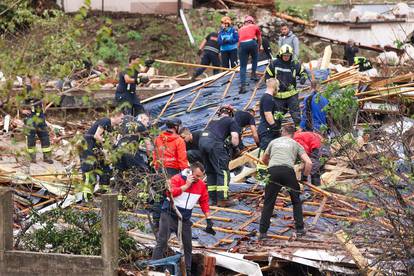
x=232, y=38
x=317, y=104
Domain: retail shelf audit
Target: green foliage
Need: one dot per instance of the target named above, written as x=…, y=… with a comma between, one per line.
x=69, y=231
x=16, y=16
x=296, y=12
x=342, y=105
x=134, y=35
x=107, y=48
x=398, y=43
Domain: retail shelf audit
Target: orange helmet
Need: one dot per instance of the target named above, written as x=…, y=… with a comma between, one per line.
x=226, y=19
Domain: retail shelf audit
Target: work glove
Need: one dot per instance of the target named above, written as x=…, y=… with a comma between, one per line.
x=149, y=62
x=209, y=228
x=199, y=52
x=302, y=80
x=225, y=41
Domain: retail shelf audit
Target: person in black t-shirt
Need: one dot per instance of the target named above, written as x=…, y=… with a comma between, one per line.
x=125, y=94
x=216, y=158
x=246, y=119
x=269, y=126
x=209, y=50
x=93, y=163
x=191, y=142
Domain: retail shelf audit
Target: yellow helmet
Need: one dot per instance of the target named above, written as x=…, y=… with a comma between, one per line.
x=285, y=50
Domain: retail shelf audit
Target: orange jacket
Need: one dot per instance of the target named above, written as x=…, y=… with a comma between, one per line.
x=170, y=151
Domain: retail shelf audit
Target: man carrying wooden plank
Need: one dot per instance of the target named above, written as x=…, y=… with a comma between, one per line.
x=210, y=54
x=280, y=156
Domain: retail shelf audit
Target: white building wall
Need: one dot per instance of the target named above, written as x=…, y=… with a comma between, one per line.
x=133, y=6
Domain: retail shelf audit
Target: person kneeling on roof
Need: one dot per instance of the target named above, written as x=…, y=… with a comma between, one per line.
x=191, y=139
x=185, y=190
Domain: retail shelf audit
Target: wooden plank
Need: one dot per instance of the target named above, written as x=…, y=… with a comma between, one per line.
x=359, y=259
x=240, y=161
x=245, y=173
x=326, y=59
x=319, y=211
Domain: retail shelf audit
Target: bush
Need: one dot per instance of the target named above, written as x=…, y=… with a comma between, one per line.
x=134, y=35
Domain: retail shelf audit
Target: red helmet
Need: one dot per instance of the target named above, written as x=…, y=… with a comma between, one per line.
x=249, y=18
x=228, y=109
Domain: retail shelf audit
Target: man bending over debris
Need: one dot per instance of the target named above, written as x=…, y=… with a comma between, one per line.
x=313, y=113
x=93, y=163
x=280, y=156
x=216, y=157
x=186, y=189
x=125, y=95
x=35, y=121
x=246, y=119
x=191, y=142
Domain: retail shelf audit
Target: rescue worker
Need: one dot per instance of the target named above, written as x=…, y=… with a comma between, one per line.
x=250, y=41
x=185, y=190
x=314, y=116
x=265, y=53
x=191, y=143
x=35, y=121
x=363, y=63
x=280, y=157
x=125, y=94
x=216, y=157
x=350, y=49
x=228, y=37
x=311, y=142
x=246, y=119
x=269, y=126
x=287, y=37
x=286, y=70
x=170, y=152
x=209, y=51
x=132, y=148
x=93, y=163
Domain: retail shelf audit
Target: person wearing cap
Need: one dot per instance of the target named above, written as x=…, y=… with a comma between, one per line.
x=228, y=38
x=93, y=163
x=280, y=157
x=170, y=151
x=250, y=40
x=216, y=157
x=125, y=94
x=286, y=70
x=287, y=37
x=209, y=50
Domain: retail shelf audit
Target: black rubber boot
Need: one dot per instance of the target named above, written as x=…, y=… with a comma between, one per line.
x=32, y=157
x=242, y=90
x=47, y=157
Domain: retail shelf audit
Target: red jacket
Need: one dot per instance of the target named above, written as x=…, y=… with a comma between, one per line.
x=185, y=201
x=170, y=151
x=308, y=140
x=249, y=32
